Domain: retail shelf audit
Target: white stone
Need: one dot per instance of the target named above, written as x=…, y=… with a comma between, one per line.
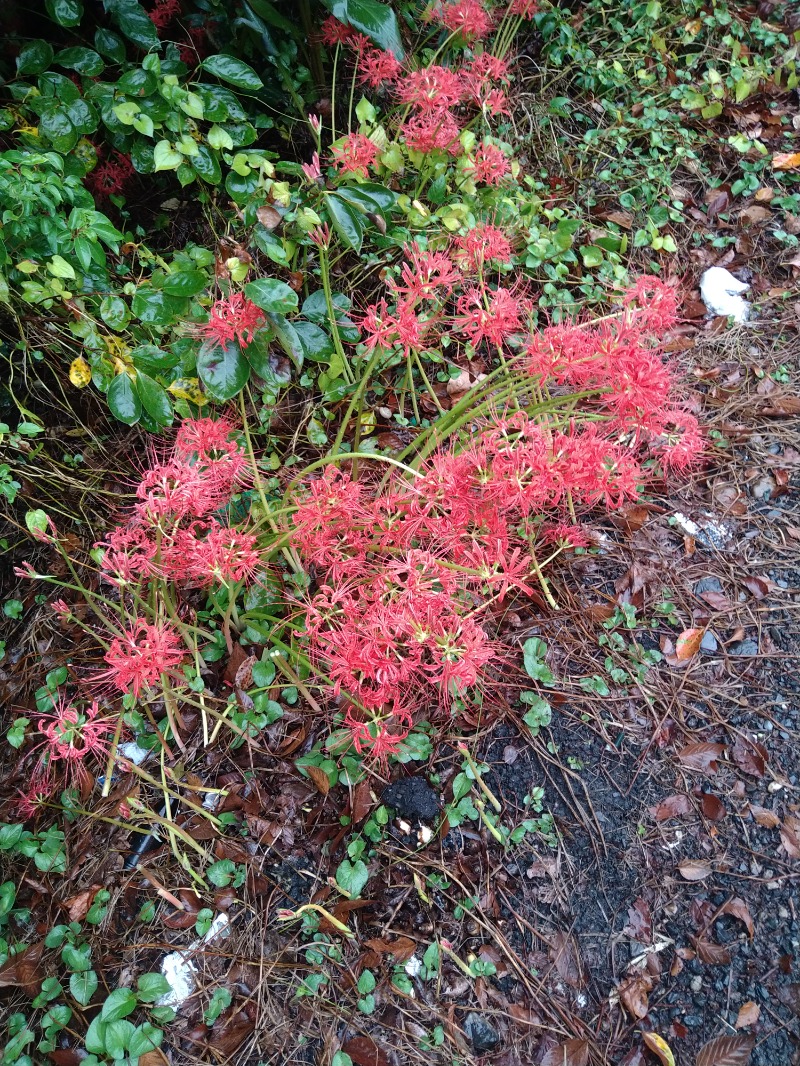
x=722, y=294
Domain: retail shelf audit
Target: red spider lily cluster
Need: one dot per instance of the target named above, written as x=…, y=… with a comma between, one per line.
x=438, y=101
x=406, y=573
x=174, y=534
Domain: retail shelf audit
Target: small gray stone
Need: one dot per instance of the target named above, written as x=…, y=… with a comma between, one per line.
x=708, y=584
x=744, y=647
x=709, y=642
x=484, y=1036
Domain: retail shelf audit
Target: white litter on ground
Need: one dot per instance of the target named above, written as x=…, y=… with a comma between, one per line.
x=132, y=752
x=179, y=969
x=722, y=294
x=709, y=531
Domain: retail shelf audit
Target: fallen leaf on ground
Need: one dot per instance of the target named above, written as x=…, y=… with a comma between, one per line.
x=712, y=806
x=365, y=1052
x=401, y=949
x=749, y=1013
x=726, y=1051
x=671, y=807
x=640, y=922
x=565, y=955
x=781, y=407
x=694, y=869
x=23, y=970
x=573, y=1052
x=660, y=1047
x=790, y=836
x=763, y=816
x=524, y=1015
x=737, y=908
x=712, y=954
x=633, y=994
x=701, y=756
x=786, y=161
x=749, y=756
x=320, y=779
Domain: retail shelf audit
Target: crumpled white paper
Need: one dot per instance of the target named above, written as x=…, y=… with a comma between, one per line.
x=179, y=969
x=722, y=294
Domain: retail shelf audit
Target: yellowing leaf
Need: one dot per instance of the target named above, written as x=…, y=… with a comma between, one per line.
x=80, y=373
x=188, y=389
x=660, y=1047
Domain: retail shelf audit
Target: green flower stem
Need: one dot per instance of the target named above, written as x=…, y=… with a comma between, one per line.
x=355, y=399
x=324, y=267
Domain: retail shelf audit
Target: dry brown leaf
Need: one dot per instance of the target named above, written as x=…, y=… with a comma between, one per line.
x=737, y=908
x=688, y=644
x=763, y=816
x=573, y=1052
x=567, y=960
x=790, y=836
x=749, y=755
x=694, y=869
x=320, y=779
x=633, y=994
x=620, y=218
x=781, y=407
x=268, y=217
x=365, y=1052
x=640, y=922
x=701, y=756
x=401, y=949
x=726, y=1051
x=671, y=807
x=712, y=954
x=712, y=807
x=23, y=970
x=362, y=801
x=154, y=1057
x=524, y=1015
x=755, y=213
x=759, y=586
x=78, y=906
x=749, y=1014
x=786, y=161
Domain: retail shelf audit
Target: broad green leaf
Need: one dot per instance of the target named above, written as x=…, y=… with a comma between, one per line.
x=134, y=23
x=123, y=400
x=118, y=1037
x=233, y=71
x=223, y=371
x=119, y=1004
x=351, y=877
x=374, y=19
x=83, y=986
x=149, y=986
x=146, y=1037
x=110, y=45
x=185, y=283
x=154, y=399
x=84, y=60
x=154, y=307
x=272, y=295
x=288, y=339
x=34, y=57
x=149, y=357
x=347, y=222
x=317, y=345
x=65, y=12
x=114, y=312
x=165, y=157
x=95, y=1039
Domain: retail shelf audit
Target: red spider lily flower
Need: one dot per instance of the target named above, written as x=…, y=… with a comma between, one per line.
x=321, y=236
x=377, y=69
x=652, y=305
x=33, y=800
x=387, y=330
x=481, y=245
x=70, y=734
x=494, y=102
x=466, y=17
x=334, y=32
x=128, y=555
x=112, y=176
x=487, y=67
x=315, y=122
x=431, y=131
x=221, y=555
x=428, y=275
x=359, y=44
x=26, y=570
x=379, y=738
x=489, y=165
x=490, y=315
x=312, y=170
x=174, y=490
x=163, y=12
x=61, y=609
x=680, y=444
x=221, y=463
x=525, y=9
x=139, y=658
x=433, y=88
x=206, y=437
x=232, y=318
x=355, y=154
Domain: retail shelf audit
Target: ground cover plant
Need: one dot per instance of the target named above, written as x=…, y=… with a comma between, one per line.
x=359, y=406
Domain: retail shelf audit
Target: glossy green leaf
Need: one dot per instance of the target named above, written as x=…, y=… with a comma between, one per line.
x=118, y=1036
x=83, y=986
x=84, y=60
x=154, y=399
x=123, y=400
x=233, y=71
x=65, y=12
x=272, y=295
x=317, y=345
x=146, y=1037
x=374, y=19
x=154, y=307
x=34, y=57
x=351, y=877
x=119, y=1004
x=165, y=157
x=223, y=371
x=347, y=222
x=134, y=23
x=185, y=283
x=151, y=358
x=110, y=45
x=114, y=312
x=288, y=339
x=149, y=986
